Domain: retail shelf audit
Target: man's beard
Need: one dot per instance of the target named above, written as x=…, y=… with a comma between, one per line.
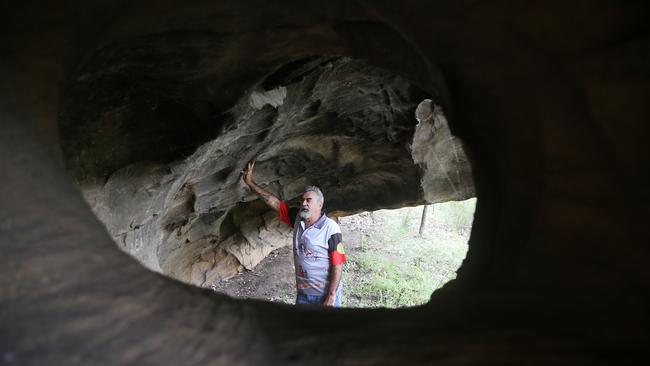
x=305, y=213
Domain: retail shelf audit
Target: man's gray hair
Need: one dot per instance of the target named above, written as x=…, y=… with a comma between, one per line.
x=321, y=198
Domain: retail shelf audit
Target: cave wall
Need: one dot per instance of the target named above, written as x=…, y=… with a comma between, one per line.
x=550, y=98
x=329, y=121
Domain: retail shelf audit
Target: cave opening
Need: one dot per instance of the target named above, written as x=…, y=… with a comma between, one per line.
x=395, y=258
x=550, y=96
x=161, y=167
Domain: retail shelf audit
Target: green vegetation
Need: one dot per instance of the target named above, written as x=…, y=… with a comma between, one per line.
x=393, y=267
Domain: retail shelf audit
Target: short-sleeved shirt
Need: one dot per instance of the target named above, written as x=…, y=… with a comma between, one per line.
x=315, y=249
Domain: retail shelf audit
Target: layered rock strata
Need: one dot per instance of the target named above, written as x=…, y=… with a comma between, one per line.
x=333, y=122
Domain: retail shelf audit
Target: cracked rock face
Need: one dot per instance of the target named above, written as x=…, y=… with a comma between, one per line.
x=446, y=169
x=333, y=122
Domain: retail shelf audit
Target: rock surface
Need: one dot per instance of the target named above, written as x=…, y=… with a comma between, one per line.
x=444, y=163
x=328, y=121
x=551, y=98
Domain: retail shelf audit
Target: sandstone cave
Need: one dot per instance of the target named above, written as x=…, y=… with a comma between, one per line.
x=129, y=122
x=329, y=121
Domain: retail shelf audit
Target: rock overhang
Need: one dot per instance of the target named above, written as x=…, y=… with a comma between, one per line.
x=551, y=98
x=330, y=121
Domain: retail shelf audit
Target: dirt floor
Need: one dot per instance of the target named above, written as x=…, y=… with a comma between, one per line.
x=272, y=279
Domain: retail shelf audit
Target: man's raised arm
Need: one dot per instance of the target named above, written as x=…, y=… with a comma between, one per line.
x=268, y=197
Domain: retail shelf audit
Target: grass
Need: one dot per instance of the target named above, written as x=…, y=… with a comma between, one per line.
x=395, y=267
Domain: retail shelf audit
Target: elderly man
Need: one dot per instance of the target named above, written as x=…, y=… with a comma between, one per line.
x=318, y=253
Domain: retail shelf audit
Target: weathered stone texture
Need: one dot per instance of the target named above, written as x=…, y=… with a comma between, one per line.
x=445, y=165
x=549, y=98
x=330, y=121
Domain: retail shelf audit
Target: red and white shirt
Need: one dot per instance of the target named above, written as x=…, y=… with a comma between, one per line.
x=315, y=249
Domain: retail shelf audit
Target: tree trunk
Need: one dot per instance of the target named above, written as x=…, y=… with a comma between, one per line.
x=423, y=220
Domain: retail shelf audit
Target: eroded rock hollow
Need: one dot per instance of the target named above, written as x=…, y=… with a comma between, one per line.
x=550, y=97
x=335, y=122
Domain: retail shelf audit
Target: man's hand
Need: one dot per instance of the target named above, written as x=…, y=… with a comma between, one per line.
x=268, y=197
x=248, y=173
x=329, y=300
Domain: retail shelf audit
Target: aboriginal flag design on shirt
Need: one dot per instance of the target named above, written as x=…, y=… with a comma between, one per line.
x=335, y=248
x=288, y=215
